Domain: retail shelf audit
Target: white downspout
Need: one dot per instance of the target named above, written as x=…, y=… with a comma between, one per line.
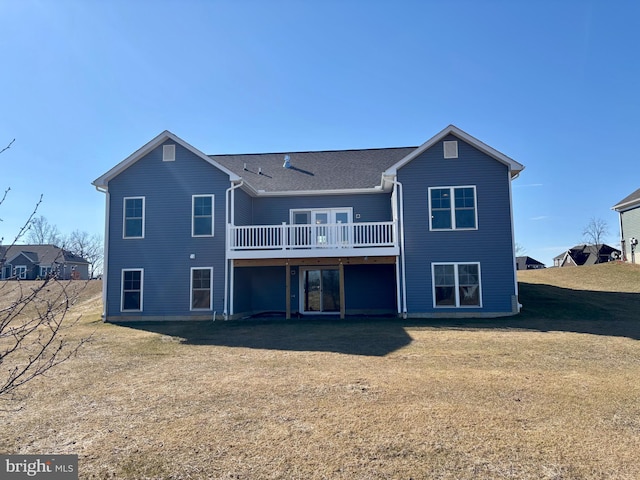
x=623, y=246
x=402, y=259
x=513, y=239
x=105, y=255
x=394, y=211
x=229, y=213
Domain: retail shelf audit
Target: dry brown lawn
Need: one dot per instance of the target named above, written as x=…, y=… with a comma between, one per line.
x=355, y=399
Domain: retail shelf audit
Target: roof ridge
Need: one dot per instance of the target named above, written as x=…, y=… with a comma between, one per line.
x=310, y=151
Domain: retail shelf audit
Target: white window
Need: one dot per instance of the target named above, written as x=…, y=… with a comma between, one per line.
x=133, y=217
x=456, y=284
x=20, y=271
x=450, y=149
x=132, y=290
x=45, y=272
x=201, y=288
x=453, y=208
x=202, y=216
x=168, y=153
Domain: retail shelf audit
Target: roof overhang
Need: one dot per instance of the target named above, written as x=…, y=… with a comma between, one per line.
x=307, y=193
x=623, y=207
x=514, y=167
x=101, y=183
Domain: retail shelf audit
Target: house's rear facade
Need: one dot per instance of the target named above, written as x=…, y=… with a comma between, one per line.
x=418, y=231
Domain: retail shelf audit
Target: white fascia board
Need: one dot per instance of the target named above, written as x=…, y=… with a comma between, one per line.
x=303, y=193
x=514, y=167
x=623, y=207
x=102, y=181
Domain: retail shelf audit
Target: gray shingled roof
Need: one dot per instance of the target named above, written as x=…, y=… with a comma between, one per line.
x=324, y=170
x=524, y=260
x=41, y=254
x=628, y=200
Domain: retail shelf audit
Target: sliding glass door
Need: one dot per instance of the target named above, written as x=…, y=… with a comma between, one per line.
x=321, y=290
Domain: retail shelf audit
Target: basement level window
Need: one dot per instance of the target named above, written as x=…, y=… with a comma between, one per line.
x=168, y=153
x=451, y=149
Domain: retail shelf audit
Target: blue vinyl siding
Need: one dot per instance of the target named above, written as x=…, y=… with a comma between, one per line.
x=490, y=244
x=262, y=289
x=164, y=252
x=370, y=288
x=631, y=228
x=243, y=207
x=275, y=210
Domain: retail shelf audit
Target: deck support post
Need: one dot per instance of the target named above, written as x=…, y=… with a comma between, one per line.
x=342, y=295
x=288, y=290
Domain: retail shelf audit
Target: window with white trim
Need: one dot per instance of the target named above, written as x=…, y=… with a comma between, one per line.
x=202, y=215
x=133, y=217
x=456, y=284
x=20, y=271
x=45, y=272
x=132, y=290
x=453, y=208
x=201, y=288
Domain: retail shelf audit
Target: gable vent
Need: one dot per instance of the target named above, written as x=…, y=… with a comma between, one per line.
x=451, y=149
x=168, y=153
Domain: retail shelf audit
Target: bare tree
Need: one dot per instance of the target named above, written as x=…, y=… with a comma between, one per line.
x=87, y=246
x=520, y=250
x=41, y=232
x=33, y=322
x=595, y=231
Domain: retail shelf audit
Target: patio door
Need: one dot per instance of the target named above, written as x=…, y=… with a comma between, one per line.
x=330, y=236
x=320, y=290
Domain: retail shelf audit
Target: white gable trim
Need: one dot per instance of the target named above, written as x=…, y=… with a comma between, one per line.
x=514, y=167
x=630, y=205
x=103, y=181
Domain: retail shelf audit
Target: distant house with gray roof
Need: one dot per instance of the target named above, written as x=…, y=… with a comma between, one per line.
x=586, y=255
x=629, y=210
x=528, y=263
x=31, y=262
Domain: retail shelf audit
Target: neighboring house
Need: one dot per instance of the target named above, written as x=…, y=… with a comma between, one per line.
x=586, y=255
x=31, y=262
x=418, y=231
x=629, y=210
x=528, y=263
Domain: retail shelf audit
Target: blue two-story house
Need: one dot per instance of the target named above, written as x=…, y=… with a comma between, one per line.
x=416, y=231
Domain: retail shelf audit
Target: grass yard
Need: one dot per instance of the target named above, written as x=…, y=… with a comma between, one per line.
x=553, y=393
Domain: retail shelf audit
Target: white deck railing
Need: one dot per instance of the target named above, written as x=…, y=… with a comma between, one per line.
x=326, y=236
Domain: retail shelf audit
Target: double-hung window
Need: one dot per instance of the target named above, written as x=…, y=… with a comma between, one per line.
x=20, y=272
x=133, y=217
x=456, y=285
x=45, y=272
x=201, y=288
x=132, y=290
x=453, y=208
x=202, y=216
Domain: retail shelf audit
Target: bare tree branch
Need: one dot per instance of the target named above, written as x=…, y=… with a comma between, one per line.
x=8, y=146
x=41, y=232
x=87, y=246
x=32, y=331
x=33, y=320
x=595, y=231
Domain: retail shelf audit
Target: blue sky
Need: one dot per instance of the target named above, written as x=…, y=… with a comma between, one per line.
x=553, y=84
